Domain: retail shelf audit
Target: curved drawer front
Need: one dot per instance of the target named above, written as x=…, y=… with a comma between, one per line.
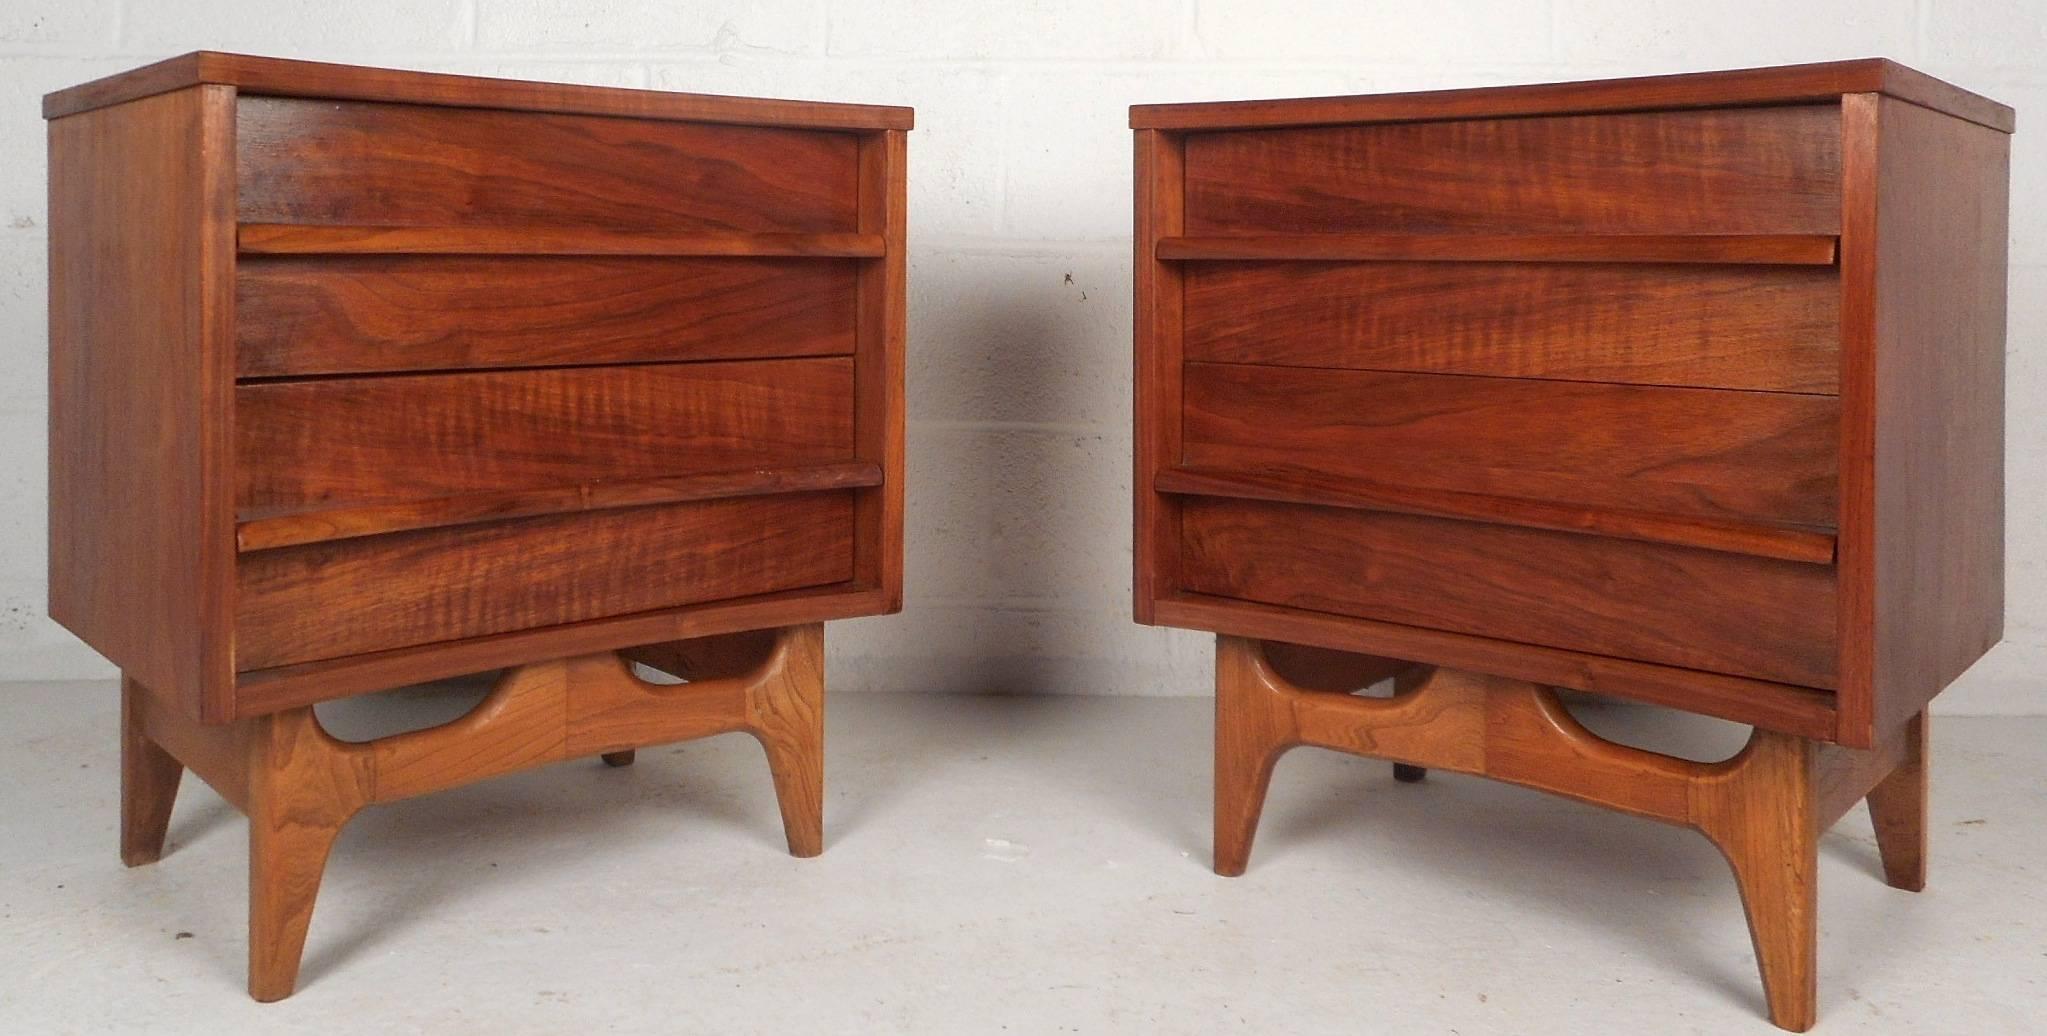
x=327, y=600
x=1679, y=606
x=371, y=164
x=1703, y=453
x=329, y=314
x=1770, y=170
x=341, y=442
x=1775, y=328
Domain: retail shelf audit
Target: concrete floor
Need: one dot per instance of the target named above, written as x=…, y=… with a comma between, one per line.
x=1028, y=865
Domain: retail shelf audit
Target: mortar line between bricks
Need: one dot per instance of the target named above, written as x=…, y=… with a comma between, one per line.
x=1039, y=605
x=1050, y=427
x=1021, y=248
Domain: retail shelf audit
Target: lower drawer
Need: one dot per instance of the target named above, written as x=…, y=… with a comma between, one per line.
x=346, y=597
x=1679, y=606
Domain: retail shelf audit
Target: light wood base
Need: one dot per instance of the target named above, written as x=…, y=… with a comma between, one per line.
x=1765, y=808
x=299, y=785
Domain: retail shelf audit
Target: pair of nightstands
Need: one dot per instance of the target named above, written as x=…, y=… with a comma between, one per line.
x=1686, y=390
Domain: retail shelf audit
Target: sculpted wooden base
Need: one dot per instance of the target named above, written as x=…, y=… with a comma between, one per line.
x=299, y=785
x=1765, y=808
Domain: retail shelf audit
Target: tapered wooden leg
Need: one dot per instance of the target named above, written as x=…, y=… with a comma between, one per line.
x=1761, y=811
x=1897, y=807
x=786, y=714
x=303, y=786
x=624, y=758
x=149, y=783
x=1252, y=730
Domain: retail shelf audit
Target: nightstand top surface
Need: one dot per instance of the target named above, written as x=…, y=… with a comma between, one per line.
x=1784, y=84
x=292, y=78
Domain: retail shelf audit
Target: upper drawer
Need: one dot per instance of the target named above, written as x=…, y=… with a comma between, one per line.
x=341, y=442
x=1702, y=453
x=359, y=163
x=1722, y=171
x=319, y=314
x=1714, y=326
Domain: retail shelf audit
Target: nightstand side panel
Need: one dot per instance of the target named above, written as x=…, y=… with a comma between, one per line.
x=1924, y=299
x=141, y=272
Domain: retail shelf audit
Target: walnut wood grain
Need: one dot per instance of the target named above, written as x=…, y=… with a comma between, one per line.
x=1764, y=808
x=879, y=361
x=149, y=781
x=1783, y=84
x=326, y=600
x=1733, y=327
x=1787, y=543
x=528, y=374
x=150, y=408
x=301, y=239
x=1696, y=609
x=141, y=254
x=299, y=785
x=216, y=753
x=1897, y=810
x=343, y=442
x=344, y=523
x=261, y=75
x=274, y=689
x=1804, y=711
x=1762, y=249
x=780, y=701
x=1159, y=295
x=324, y=162
x=1735, y=171
x=1357, y=270
x=357, y=314
x=1922, y=447
x=1698, y=453
x=303, y=786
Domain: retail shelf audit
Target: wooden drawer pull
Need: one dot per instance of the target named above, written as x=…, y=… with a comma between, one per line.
x=1812, y=546
x=293, y=238
x=347, y=523
x=1767, y=249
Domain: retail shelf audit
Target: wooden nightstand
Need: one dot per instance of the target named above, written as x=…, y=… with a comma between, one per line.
x=1685, y=389
x=360, y=378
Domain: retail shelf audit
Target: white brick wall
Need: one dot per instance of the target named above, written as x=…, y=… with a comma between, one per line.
x=1020, y=221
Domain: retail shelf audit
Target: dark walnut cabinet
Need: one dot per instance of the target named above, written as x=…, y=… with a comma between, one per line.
x=1684, y=389
x=360, y=378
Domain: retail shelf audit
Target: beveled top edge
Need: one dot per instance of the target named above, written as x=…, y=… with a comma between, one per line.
x=1782, y=84
x=293, y=78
